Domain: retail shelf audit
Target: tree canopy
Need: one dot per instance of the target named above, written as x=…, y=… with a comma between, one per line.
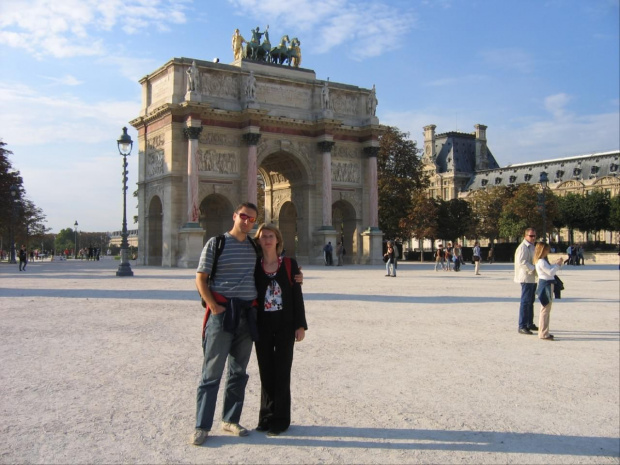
x=400, y=177
x=18, y=214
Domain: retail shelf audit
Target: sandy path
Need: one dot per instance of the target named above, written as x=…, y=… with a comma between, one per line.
x=424, y=368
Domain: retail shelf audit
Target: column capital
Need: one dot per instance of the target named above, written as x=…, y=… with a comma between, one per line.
x=251, y=138
x=325, y=146
x=192, y=132
x=371, y=151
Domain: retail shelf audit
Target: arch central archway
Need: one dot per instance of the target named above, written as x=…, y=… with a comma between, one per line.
x=285, y=200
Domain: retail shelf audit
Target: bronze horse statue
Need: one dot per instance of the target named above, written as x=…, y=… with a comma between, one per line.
x=280, y=53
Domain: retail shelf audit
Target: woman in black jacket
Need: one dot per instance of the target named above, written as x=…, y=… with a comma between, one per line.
x=281, y=323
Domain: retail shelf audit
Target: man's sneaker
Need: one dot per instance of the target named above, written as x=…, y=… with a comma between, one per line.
x=199, y=436
x=234, y=428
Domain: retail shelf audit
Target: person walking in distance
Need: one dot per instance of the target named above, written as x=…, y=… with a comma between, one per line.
x=477, y=257
x=23, y=258
x=231, y=300
x=392, y=256
x=525, y=274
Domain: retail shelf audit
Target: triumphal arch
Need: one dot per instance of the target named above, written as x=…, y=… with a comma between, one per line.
x=213, y=135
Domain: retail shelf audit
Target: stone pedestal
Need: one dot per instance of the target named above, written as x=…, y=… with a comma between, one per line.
x=321, y=238
x=190, y=245
x=372, y=246
x=192, y=96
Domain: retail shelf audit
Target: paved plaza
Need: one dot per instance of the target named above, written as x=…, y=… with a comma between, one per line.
x=427, y=367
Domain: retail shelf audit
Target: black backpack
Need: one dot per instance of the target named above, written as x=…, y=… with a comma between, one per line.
x=220, y=242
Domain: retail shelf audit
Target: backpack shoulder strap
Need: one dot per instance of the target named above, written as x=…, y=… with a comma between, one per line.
x=220, y=242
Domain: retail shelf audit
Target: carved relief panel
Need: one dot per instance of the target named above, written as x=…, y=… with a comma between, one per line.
x=155, y=159
x=289, y=96
x=344, y=103
x=218, y=162
x=346, y=172
x=218, y=84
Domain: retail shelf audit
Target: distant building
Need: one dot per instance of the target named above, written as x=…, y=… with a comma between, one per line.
x=132, y=238
x=460, y=163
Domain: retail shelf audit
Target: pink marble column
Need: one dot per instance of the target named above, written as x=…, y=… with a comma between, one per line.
x=252, y=140
x=371, y=153
x=193, y=209
x=326, y=148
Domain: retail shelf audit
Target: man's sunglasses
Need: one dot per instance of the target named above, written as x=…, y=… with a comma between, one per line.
x=531, y=235
x=245, y=217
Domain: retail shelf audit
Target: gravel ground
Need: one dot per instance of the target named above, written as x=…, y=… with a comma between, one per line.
x=424, y=368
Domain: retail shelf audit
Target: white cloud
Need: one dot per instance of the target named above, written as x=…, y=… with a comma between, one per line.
x=59, y=119
x=555, y=104
x=66, y=80
x=64, y=28
x=511, y=59
x=361, y=29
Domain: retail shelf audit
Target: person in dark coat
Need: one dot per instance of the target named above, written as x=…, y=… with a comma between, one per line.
x=281, y=323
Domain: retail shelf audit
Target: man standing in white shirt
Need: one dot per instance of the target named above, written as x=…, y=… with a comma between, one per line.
x=525, y=274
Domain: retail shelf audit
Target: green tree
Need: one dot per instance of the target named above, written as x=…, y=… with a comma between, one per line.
x=65, y=240
x=422, y=218
x=571, y=211
x=596, y=212
x=400, y=176
x=455, y=219
x=17, y=214
x=487, y=205
x=524, y=210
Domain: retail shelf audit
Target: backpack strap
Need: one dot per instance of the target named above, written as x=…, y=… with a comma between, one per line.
x=220, y=242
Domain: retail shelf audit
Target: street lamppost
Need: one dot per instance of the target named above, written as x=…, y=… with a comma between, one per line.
x=544, y=182
x=125, y=145
x=75, y=226
x=14, y=192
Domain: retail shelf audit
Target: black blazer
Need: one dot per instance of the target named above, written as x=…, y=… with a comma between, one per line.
x=292, y=297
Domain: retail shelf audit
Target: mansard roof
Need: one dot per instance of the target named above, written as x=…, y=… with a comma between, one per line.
x=456, y=152
x=583, y=168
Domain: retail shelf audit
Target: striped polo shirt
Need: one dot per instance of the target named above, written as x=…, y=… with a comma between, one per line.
x=234, y=276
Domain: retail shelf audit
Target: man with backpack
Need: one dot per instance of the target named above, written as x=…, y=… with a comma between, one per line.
x=230, y=297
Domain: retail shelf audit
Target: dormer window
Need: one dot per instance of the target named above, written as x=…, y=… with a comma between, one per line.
x=528, y=177
x=576, y=171
x=613, y=167
x=559, y=174
x=594, y=170
x=498, y=181
x=512, y=179
x=484, y=182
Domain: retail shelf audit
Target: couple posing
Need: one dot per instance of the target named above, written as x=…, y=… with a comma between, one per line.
x=233, y=289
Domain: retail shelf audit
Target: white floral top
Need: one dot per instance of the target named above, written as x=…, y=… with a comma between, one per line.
x=273, y=295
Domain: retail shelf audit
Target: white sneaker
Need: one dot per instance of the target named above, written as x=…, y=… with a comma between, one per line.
x=234, y=428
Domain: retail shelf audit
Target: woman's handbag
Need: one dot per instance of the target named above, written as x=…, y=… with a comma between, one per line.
x=385, y=258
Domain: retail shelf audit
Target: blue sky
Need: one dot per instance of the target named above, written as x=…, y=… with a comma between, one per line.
x=543, y=75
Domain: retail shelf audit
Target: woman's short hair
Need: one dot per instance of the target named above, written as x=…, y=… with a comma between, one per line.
x=273, y=228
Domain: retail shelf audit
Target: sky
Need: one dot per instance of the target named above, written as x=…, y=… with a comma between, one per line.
x=543, y=75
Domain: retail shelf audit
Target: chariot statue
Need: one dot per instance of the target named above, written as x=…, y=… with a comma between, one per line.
x=286, y=52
